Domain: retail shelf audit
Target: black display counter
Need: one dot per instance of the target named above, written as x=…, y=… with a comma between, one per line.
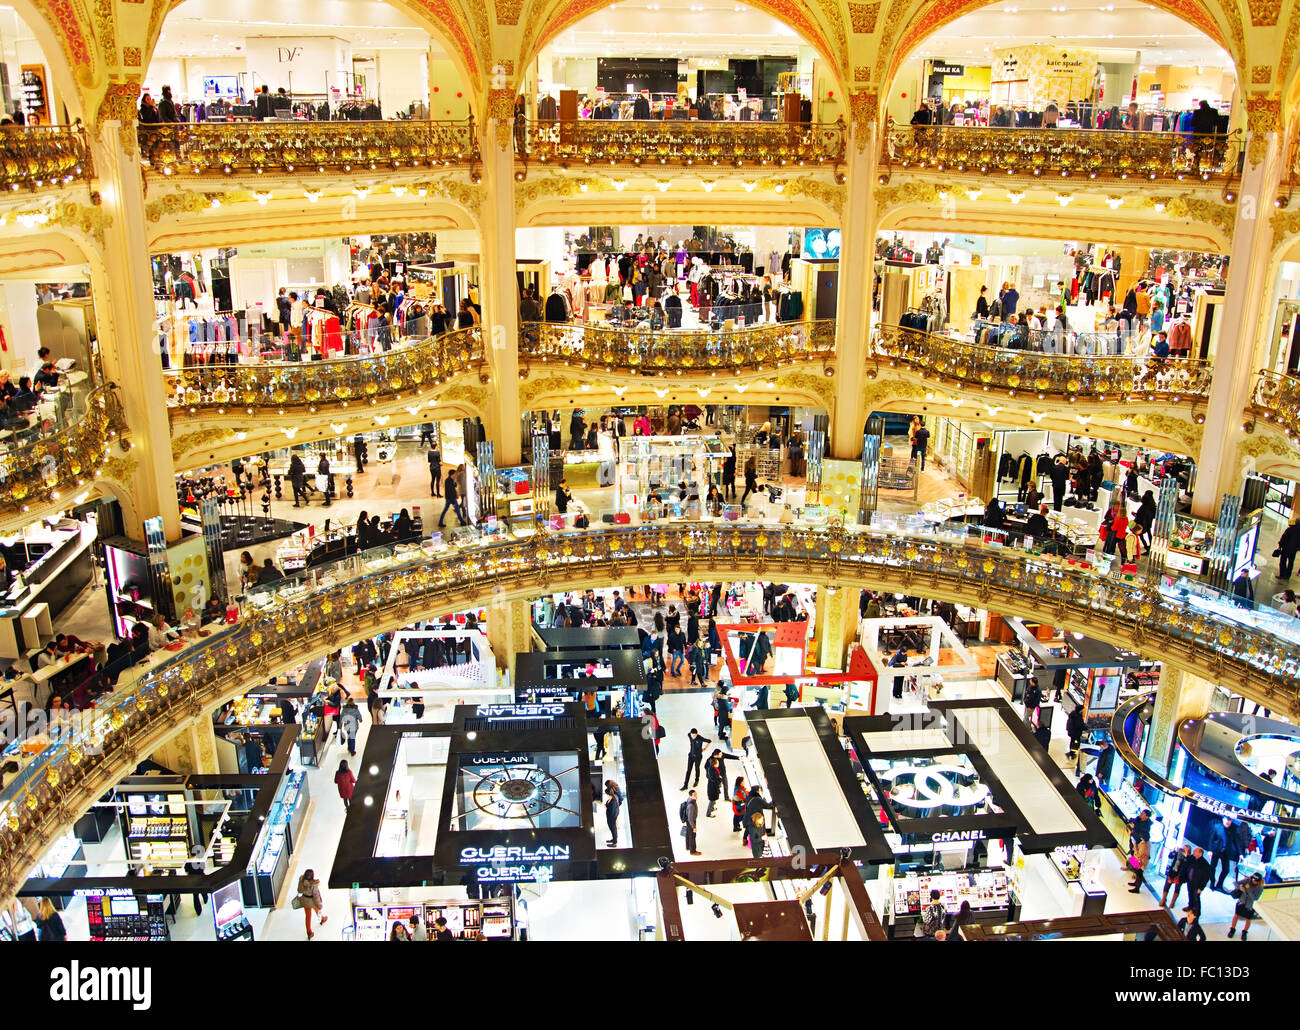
x=595, y=638
x=552, y=675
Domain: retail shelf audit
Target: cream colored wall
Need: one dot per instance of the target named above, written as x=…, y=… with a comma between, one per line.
x=909, y=81
x=448, y=97
x=403, y=79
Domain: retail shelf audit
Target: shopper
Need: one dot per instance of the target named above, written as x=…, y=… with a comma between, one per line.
x=695, y=755
x=751, y=481
x=1198, y=877
x=309, y=899
x=738, y=798
x=247, y=571
x=1075, y=728
x=676, y=650
x=434, y=458
x=298, y=479
x=1223, y=842
x=1033, y=702
x=755, y=831
x=689, y=813
x=399, y=932
x=613, y=806
x=1190, y=926
x=934, y=917
x=453, y=501
x=1287, y=546
x=729, y=474
x=49, y=924
x=345, y=780
x=563, y=495
x=1176, y=872
x=417, y=930
x=441, y=933
x=1247, y=893
x=964, y=917
x=920, y=444
x=350, y=723
x=714, y=784
x=268, y=573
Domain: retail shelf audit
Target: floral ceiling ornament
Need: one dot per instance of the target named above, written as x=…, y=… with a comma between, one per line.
x=863, y=17
x=1263, y=116
x=864, y=112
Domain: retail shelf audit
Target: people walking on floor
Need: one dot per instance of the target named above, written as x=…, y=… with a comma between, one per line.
x=1227, y=850
x=613, y=806
x=434, y=458
x=1287, y=546
x=1190, y=925
x=689, y=813
x=1247, y=893
x=350, y=723
x=298, y=479
x=345, y=780
x=722, y=711
x=452, y=489
x=309, y=899
x=920, y=444
x=738, y=796
x=714, y=784
x=1198, y=877
x=751, y=481
x=695, y=756
x=1075, y=728
x=1140, y=845
x=729, y=474
x=1176, y=872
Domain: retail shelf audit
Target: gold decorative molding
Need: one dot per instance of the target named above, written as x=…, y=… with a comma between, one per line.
x=507, y=11
x=683, y=143
x=1062, y=154
x=534, y=388
x=828, y=193
x=820, y=386
x=121, y=103
x=90, y=221
x=183, y=443
x=888, y=197
x=1263, y=116
x=176, y=203
x=501, y=110
x=1188, y=434
x=1263, y=13
x=862, y=73
x=1212, y=212
x=104, y=21
x=864, y=111
x=555, y=186
x=863, y=17
x=1261, y=75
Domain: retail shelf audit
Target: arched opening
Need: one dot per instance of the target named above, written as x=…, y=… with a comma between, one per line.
x=1089, y=61
x=740, y=61
x=36, y=81
x=349, y=60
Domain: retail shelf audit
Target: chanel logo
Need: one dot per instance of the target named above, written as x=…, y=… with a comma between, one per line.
x=930, y=790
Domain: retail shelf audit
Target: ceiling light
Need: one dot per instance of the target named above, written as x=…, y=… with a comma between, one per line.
x=361, y=191
x=1114, y=202
x=749, y=185
x=1036, y=416
x=974, y=194
x=708, y=184
x=742, y=387
x=620, y=390
x=618, y=184
x=399, y=190
x=1064, y=199
x=661, y=394
x=1159, y=206
x=312, y=195
x=663, y=185
x=262, y=198
x=779, y=187
x=1015, y=196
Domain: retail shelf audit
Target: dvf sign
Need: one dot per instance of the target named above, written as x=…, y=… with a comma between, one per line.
x=286, y=54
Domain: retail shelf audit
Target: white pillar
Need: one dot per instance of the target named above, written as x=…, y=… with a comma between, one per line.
x=1237, y=360
x=123, y=294
x=500, y=293
x=853, y=310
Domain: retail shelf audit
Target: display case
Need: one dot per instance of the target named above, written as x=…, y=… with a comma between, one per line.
x=491, y=919
x=156, y=827
x=987, y=890
x=126, y=916
x=128, y=587
x=1190, y=543
x=264, y=879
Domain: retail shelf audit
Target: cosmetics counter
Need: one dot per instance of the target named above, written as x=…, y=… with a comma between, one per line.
x=490, y=919
x=988, y=892
x=1230, y=766
x=123, y=915
x=262, y=883
x=47, y=566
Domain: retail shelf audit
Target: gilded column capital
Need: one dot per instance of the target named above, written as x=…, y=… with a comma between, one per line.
x=864, y=114
x=1263, y=116
x=501, y=109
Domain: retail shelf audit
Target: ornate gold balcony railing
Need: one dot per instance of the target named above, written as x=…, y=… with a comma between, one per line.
x=407, y=370
x=1063, y=153
x=58, y=465
x=660, y=351
x=1059, y=376
x=1277, y=399
x=304, y=148
x=588, y=142
x=78, y=766
x=43, y=157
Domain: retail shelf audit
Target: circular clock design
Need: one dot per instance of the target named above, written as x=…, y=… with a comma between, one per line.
x=518, y=792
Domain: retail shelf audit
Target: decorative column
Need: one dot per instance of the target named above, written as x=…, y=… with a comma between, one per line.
x=509, y=631
x=122, y=288
x=857, y=273
x=192, y=749
x=836, y=626
x=499, y=294
x=1218, y=470
x=1180, y=696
